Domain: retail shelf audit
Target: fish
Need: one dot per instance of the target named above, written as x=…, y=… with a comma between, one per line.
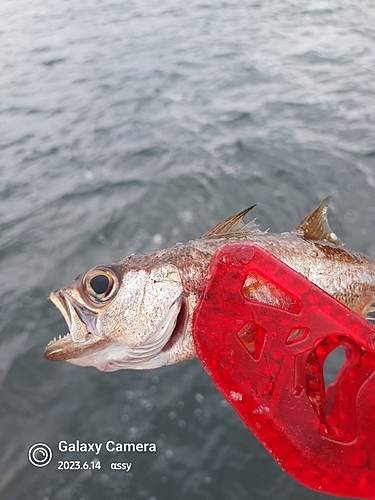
x=137, y=313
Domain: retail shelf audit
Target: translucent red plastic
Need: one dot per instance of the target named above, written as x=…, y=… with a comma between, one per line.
x=267, y=360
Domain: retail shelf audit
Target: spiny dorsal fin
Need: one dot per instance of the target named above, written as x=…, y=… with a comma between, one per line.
x=233, y=224
x=315, y=225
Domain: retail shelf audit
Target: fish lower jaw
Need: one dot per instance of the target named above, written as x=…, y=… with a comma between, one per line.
x=55, y=348
x=64, y=338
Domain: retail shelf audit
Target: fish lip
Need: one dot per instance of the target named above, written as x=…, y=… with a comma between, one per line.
x=58, y=298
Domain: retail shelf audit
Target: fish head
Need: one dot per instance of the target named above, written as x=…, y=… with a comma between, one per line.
x=121, y=317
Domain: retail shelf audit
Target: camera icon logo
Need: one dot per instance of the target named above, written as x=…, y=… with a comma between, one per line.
x=40, y=454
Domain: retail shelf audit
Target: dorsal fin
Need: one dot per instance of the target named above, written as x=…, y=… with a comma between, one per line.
x=315, y=225
x=233, y=224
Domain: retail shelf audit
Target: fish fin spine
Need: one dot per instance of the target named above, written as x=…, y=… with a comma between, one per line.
x=233, y=225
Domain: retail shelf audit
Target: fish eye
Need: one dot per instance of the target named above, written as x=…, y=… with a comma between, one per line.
x=101, y=284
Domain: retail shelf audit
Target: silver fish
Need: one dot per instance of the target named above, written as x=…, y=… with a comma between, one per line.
x=137, y=312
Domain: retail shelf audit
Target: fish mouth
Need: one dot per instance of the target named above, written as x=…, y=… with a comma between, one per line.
x=56, y=347
x=65, y=347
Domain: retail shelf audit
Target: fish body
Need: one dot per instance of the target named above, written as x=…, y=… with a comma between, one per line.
x=137, y=312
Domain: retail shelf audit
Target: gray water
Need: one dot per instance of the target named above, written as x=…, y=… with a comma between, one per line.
x=130, y=125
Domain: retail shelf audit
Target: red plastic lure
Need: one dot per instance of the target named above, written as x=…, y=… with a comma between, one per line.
x=268, y=363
